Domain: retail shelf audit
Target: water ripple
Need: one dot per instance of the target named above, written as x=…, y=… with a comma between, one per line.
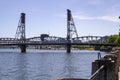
x=45, y=65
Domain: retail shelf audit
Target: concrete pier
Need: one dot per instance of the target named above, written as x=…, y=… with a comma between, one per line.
x=23, y=48
x=107, y=73
x=111, y=62
x=68, y=48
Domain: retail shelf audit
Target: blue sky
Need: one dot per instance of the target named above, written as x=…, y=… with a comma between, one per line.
x=91, y=17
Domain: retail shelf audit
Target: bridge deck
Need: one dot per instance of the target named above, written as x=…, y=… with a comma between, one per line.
x=94, y=44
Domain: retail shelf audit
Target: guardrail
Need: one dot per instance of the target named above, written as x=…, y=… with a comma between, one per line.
x=96, y=73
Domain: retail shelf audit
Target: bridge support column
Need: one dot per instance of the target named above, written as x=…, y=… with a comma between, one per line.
x=23, y=48
x=68, y=48
x=97, y=47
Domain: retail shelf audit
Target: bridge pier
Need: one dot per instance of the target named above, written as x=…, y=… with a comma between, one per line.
x=23, y=48
x=68, y=48
x=97, y=47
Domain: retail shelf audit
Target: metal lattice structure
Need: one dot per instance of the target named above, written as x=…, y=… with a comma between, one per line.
x=71, y=29
x=21, y=41
x=20, y=33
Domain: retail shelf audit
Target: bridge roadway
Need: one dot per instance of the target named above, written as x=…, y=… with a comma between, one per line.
x=62, y=43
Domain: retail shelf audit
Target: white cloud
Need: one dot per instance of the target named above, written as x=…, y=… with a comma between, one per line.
x=107, y=18
x=110, y=18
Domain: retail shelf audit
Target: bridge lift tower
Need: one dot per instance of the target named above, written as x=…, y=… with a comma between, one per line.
x=71, y=30
x=20, y=33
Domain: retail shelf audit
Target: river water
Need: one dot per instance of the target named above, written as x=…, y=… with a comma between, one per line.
x=45, y=64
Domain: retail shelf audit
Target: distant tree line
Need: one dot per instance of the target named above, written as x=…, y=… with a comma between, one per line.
x=113, y=39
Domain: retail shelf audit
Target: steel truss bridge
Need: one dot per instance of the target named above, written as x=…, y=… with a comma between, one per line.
x=53, y=40
x=21, y=41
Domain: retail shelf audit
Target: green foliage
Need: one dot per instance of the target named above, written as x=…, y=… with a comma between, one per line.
x=113, y=39
x=117, y=41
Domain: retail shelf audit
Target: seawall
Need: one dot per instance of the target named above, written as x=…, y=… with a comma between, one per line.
x=111, y=63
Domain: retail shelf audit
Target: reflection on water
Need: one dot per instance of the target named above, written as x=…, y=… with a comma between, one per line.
x=45, y=64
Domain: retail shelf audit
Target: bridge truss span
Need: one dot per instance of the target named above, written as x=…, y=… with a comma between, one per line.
x=54, y=39
x=89, y=39
x=48, y=39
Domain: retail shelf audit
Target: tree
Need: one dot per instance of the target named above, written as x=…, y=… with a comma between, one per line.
x=113, y=39
x=117, y=41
